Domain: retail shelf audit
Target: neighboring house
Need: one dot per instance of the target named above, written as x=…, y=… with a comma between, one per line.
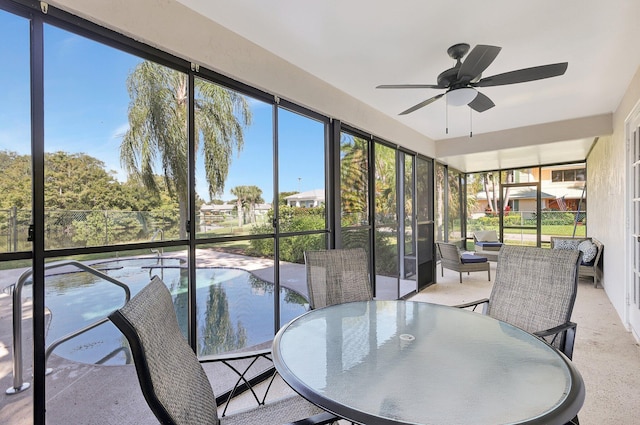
x=522, y=199
x=308, y=199
x=562, y=188
x=215, y=213
x=261, y=209
x=568, y=185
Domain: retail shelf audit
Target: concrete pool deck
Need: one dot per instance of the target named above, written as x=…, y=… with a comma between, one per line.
x=606, y=354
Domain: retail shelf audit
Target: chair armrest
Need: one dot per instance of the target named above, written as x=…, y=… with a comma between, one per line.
x=319, y=419
x=551, y=335
x=484, y=302
x=265, y=353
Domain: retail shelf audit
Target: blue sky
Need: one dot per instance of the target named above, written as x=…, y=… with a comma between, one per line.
x=86, y=104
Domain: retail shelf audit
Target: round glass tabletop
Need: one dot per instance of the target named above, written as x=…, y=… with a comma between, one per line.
x=397, y=362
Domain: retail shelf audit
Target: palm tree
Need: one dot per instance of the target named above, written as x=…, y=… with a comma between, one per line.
x=246, y=196
x=254, y=196
x=487, y=178
x=239, y=193
x=157, y=134
x=354, y=185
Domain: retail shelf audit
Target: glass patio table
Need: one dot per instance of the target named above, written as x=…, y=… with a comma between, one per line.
x=402, y=362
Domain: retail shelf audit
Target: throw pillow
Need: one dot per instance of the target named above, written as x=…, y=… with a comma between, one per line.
x=567, y=243
x=589, y=251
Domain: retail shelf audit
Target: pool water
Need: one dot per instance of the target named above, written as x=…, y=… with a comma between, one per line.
x=234, y=308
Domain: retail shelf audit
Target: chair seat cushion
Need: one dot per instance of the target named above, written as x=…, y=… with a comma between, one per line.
x=489, y=244
x=470, y=258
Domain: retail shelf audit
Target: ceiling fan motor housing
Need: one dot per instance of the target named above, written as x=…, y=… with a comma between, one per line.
x=457, y=51
x=461, y=81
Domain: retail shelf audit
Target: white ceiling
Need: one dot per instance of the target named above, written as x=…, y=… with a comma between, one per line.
x=356, y=45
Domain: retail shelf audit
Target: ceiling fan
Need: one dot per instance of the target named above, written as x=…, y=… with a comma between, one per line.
x=461, y=81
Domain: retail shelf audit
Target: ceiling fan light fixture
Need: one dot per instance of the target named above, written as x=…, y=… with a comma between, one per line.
x=462, y=96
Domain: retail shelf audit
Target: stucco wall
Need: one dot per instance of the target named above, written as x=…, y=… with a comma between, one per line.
x=606, y=185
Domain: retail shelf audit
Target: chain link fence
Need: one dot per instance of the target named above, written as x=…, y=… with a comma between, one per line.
x=82, y=228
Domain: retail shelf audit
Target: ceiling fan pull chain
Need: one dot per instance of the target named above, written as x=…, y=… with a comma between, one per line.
x=470, y=122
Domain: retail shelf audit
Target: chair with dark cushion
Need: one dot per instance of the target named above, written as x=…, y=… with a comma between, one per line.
x=451, y=258
x=172, y=379
x=487, y=244
x=535, y=289
x=336, y=276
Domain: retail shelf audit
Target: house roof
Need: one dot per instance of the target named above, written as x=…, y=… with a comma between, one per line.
x=230, y=207
x=309, y=195
x=215, y=207
x=520, y=193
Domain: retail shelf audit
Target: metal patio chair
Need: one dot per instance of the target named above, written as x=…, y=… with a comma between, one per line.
x=451, y=258
x=336, y=276
x=173, y=381
x=535, y=289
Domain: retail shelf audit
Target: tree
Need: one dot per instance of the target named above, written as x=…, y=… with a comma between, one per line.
x=15, y=180
x=488, y=181
x=354, y=186
x=254, y=197
x=77, y=181
x=385, y=183
x=247, y=197
x=157, y=134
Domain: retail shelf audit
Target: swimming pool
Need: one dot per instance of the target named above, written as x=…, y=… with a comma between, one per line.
x=234, y=307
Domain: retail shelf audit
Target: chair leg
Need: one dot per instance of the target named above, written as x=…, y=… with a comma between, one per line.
x=460, y=276
x=489, y=273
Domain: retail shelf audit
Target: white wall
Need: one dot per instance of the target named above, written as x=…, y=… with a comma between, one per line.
x=606, y=183
x=173, y=28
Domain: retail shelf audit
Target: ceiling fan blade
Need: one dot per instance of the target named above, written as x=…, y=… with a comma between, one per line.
x=524, y=75
x=481, y=103
x=409, y=86
x=477, y=61
x=421, y=104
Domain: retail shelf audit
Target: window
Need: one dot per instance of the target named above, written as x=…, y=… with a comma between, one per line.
x=575, y=175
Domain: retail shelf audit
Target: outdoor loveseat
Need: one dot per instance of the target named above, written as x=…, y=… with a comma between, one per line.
x=591, y=265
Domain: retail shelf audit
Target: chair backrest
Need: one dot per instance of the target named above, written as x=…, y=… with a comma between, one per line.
x=485, y=236
x=535, y=288
x=449, y=252
x=337, y=276
x=172, y=380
